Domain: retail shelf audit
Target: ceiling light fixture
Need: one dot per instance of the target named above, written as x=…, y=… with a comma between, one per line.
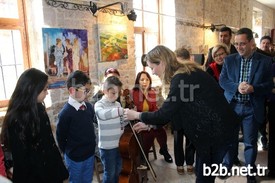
x=93, y=8
x=213, y=27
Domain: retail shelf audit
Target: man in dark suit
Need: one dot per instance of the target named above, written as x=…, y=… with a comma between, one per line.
x=265, y=45
x=264, y=49
x=225, y=35
x=246, y=79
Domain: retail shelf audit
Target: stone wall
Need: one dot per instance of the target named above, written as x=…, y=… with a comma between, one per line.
x=40, y=15
x=234, y=13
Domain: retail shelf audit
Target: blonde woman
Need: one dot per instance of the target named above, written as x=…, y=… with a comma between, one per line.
x=218, y=53
x=195, y=104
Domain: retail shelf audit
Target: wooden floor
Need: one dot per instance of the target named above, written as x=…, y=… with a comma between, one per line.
x=167, y=173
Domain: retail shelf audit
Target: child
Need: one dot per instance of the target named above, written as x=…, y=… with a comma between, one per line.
x=2, y=163
x=108, y=72
x=75, y=131
x=26, y=133
x=111, y=125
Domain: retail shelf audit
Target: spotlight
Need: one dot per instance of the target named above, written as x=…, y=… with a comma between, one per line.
x=132, y=15
x=213, y=27
x=93, y=7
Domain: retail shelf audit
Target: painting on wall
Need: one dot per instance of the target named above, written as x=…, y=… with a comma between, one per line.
x=113, y=42
x=65, y=50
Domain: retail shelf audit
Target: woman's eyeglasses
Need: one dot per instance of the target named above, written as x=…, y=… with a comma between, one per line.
x=219, y=54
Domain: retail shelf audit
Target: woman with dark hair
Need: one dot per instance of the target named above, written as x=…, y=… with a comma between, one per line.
x=26, y=133
x=144, y=98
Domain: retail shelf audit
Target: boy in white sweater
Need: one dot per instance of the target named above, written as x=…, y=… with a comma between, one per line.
x=111, y=124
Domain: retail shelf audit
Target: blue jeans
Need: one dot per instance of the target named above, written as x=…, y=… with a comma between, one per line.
x=250, y=133
x=212, y=159
x=80, y=172
x=112, y=163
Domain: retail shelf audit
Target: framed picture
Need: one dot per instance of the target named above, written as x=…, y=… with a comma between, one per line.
x=113, y=42
x=65, y=50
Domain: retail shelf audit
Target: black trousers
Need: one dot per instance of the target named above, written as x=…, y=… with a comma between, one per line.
x=180, y=156
x=262, y=128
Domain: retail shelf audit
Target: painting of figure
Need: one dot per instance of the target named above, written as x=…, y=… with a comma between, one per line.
x=65, y=50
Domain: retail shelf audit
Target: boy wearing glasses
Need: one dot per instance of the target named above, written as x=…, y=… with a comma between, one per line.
x=75, y=130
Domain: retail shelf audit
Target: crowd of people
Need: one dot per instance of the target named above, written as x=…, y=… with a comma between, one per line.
x=207, y=106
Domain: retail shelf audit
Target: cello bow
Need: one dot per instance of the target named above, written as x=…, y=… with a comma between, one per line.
x=153, y=173
x=129, y=103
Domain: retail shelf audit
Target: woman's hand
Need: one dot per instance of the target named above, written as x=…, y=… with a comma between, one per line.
x=130, y=114
x=138, y=127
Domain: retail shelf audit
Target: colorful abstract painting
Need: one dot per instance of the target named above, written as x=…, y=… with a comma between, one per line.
x=113, y=42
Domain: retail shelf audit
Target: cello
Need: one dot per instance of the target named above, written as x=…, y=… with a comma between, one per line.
x=130, y=146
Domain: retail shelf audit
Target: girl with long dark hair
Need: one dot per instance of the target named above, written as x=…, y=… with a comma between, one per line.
x=26, y=133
